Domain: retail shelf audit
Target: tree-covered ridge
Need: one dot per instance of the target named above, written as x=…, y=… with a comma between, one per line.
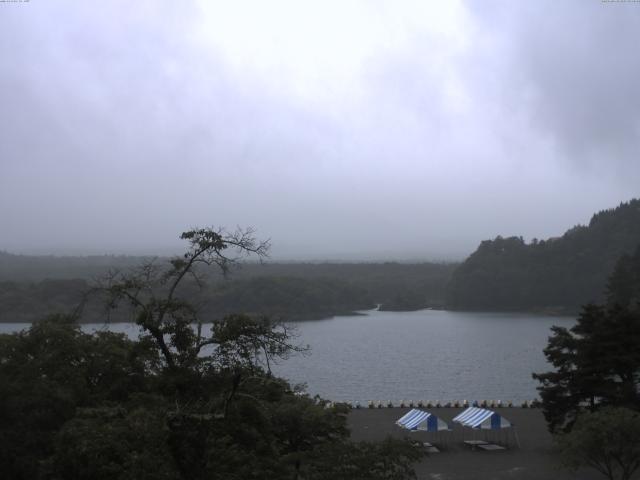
x=556, y=275
x=288, y=298
x=35, y=268
x=292, y=291
x=623, y=288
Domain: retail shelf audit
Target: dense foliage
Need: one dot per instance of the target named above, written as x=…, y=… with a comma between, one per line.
x=294, y=291
x=35, y=268
x=397, y=286
x=597, y=361
x=556, y=275
x=623, y=288
x=282, y=297
x=179, y=402
x=74, y=405
x=25, y=302
x=607, y=440
x=288, y=297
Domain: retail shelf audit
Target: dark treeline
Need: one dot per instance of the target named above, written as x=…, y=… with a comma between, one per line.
x=35, y=268
x=396, y=286
x=31, y=287
x=555, y=275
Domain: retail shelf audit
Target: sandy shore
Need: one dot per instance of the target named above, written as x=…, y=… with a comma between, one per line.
x=534, y=459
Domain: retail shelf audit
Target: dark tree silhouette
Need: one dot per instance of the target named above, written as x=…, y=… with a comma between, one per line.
x=178, y=403
x=607, y=441
x=597, y=361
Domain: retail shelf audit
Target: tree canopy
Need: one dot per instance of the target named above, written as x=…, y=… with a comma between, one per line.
x=597, y=361
x=558, y=274
x=607, y=440
x=178, y=402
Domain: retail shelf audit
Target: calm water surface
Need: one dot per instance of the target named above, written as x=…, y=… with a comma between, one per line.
x=425, y=355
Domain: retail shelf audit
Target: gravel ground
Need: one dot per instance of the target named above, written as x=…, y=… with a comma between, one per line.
x=534, y=459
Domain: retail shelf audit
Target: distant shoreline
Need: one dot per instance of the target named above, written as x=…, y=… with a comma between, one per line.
x=327, y=316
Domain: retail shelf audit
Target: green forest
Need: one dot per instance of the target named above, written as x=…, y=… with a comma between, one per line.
x=32, y=287
x=556, y=275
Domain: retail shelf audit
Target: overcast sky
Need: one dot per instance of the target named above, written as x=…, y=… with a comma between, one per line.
x=339, y=129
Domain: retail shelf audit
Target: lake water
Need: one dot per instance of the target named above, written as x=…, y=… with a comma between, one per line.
x=424, y=355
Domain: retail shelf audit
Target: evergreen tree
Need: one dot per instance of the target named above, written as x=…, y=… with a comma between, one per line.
x=597, y=361
x=558, y=274
x=623, y=288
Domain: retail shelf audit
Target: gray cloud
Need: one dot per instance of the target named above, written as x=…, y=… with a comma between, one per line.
x=387, y=133
x=572, y=65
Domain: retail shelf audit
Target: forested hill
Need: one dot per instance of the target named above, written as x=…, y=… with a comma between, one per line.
x=32, y=287
x=35, y=268
x=555, y=275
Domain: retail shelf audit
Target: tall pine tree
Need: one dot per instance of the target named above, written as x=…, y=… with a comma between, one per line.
x=597, y=361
